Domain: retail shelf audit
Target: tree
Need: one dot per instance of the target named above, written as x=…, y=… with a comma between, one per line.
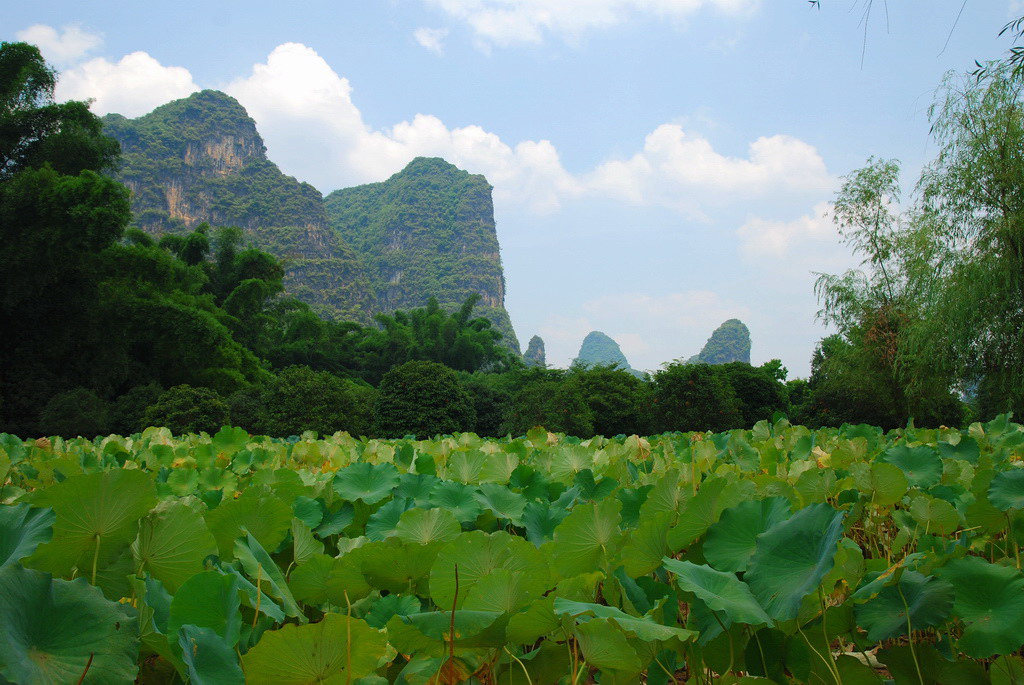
x=619, y=402
x=57, y=214
x=549, y=400
x=691, y=397
x=301, y=399
x=75, y=412
x=758, y=392
x=184, y=409
x=422, y=398
x=971, y=271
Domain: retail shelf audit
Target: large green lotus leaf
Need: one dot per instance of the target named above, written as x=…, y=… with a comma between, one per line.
x=712, y=498
x=337, y=650
x=207, y=600
x=97, y=517
x=395, y=565
x=883, y=483
x=304, y=545
x=606, y=647
x=1006, y=491
x=258, y=512
x=588, y=538
x=173, y=541
x=502, y=502
x=308, y=510
x=417, y=487
x=921, y=465
x=477, y=555
x=540, y=520
x=720, y=591
x=436, y=625
x=990, y=600
x=1007, y=670
x=265, y=572
x=666, y=495
x=904, y=662
x=22, y=529
x=646, y=545
x=730, y=542
x=537, y=621
x=367, y=482
x=324, y=579
x=50, y=631
x=792, y=557
x=935, y=516
x=383, y=523
x=457, y=498
x=387, y=607
x=503, y=591
x=966, y=450
x=925, y=600
x=210, y=660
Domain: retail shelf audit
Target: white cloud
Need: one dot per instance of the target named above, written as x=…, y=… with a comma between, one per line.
x=132, y=86
x=64, y=47
x=763, y=238
x=431, y=39
x=308, y=117
x=314, y=130
x=685, y=172
x=506, y=22
x=650, y=329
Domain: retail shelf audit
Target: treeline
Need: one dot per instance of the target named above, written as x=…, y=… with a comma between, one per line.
x=107, y=329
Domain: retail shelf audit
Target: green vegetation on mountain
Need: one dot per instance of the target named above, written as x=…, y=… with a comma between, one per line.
x=201, y=160
x=428, y=231
x=598, y=349
x=534, y=355
x=730, y=342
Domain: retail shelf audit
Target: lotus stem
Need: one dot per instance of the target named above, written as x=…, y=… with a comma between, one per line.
x=910, y=634
x=521, y=665
x=95, y=560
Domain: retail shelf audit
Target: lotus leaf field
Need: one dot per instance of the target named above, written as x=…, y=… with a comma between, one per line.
x=777, y=554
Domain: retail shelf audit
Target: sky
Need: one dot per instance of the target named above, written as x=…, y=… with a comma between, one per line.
x=659, y=166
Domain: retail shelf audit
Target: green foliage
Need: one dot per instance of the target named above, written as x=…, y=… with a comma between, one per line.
x=75, y=412
x=619, y=402
x=759, y=553
x=759, y=394
x=534, y=355
x=301, y=399
x=730, y=342
x=426, y=232
x=600, y=350
x=127, y=410
x=693, y=397
x=185, y=409
x=422, y=398
x=548, y=399
x=207, y=148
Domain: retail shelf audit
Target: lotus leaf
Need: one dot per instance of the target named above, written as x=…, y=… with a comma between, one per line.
x=336, y=650
x=1006, y=491
x=367, y=482
x=720, y=591
x=22, y=529
x=990, y=600
x=58, y=631
x=730, y=542
x=792, y=557
x=914, y=602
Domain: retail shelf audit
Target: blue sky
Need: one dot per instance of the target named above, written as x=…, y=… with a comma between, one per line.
x=659, y=165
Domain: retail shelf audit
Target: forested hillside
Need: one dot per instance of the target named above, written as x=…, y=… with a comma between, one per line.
x=428, y=231
x=201, y=159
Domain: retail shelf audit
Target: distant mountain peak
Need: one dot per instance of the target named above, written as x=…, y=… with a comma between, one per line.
x=599, y=349
x=730, y=342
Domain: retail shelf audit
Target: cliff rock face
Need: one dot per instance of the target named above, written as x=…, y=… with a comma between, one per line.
x=534, y=355
x=202, y=159
x=428, y=231
x=599, y=349
x=729, y=343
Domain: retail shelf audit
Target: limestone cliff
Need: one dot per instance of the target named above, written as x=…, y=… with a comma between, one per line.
x=730, y=342
x=600, y=350
x=201, y=159
x=428, y=231
x=534, y=355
